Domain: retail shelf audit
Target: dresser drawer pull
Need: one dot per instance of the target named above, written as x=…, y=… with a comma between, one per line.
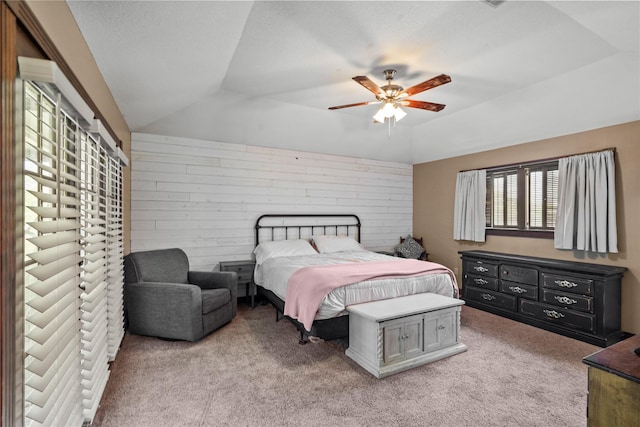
x=488, y=297
x=553, y=314
x=481, y=269
x=517, y=289
x=480, y=281
x=565, y=300
x=565, y=284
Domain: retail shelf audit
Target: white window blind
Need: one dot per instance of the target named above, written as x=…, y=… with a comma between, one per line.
x=93, y=306
x=115, y=268
x=52, y=265
x=73, y=314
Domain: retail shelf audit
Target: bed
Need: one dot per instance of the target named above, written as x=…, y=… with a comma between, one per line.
x=302, y=254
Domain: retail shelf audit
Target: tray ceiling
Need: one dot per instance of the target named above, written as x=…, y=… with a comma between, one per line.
x=264, y=73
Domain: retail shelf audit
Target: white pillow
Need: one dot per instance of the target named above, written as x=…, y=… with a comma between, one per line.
x=329, y=244
x=280, y=248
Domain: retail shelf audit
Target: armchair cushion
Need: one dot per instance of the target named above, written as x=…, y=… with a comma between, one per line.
x=213, y=299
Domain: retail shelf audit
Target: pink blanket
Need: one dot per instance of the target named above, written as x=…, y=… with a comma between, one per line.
x=309, y=285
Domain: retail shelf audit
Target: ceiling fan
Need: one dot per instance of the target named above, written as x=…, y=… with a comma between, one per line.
x=393, y=96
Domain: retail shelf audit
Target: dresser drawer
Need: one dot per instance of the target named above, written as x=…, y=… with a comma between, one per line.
x=564, y=299
x=481, y=281
x=519, y=274
x=560, y=316
x=506, y=302
x=568, y=284
x=519, y=289
x=481, y=267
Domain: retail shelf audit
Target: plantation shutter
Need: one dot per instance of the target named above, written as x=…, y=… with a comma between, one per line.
x=94, y=276
x=52, y=264
x=115, y=267
x=73, y=314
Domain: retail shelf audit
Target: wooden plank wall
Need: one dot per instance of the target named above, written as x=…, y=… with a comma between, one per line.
x=205, y=196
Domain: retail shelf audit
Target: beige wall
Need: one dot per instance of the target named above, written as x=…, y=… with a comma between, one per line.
x=433, y=198
x=58, y=23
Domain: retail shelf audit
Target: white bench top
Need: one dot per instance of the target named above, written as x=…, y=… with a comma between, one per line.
x=394, y=308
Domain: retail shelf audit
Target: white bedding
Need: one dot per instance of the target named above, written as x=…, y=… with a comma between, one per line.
x=274, y=275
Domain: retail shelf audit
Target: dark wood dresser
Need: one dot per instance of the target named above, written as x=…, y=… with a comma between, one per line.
x=575, y=299
x=614, y=385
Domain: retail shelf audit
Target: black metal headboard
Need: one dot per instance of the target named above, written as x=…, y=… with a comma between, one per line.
x=271, y=227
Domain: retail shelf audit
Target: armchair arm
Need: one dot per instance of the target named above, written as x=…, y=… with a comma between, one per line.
x=168, y=310
x=217, y=279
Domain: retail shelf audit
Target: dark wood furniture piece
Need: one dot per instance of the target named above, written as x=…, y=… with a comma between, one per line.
x=244, y=269
x=614, y=385
x=575, y=299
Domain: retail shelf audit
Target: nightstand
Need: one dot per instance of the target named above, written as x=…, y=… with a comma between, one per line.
x=244, y=269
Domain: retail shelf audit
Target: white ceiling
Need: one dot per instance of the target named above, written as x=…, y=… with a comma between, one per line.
x=264, y=73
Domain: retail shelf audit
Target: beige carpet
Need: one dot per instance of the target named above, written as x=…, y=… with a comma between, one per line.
x=252, y=372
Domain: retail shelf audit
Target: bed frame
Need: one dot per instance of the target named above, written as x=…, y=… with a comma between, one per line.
x=272, y=227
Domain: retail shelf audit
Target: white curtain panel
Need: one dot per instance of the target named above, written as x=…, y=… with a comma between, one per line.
x=586, y=218
x=469, y=219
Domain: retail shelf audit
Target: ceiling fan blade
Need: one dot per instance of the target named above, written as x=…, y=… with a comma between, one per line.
x=368, y=84
x=357, y=104
x=429, y=84
x=431, y=106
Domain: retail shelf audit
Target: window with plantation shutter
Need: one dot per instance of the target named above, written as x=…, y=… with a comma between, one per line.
x=52, y=264
x=522, y=198
x=93, y=305
x=115, y=268
x=73, y=272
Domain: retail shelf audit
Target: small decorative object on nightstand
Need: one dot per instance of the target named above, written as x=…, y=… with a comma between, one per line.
x=244, y=269
x=411, y=247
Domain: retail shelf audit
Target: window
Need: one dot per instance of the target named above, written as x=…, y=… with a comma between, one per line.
x=522, y=199
x=73, y=273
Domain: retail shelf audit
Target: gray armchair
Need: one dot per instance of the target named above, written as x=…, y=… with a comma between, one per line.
x=162, y=298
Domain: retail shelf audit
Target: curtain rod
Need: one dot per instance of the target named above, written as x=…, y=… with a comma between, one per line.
x=531, y=162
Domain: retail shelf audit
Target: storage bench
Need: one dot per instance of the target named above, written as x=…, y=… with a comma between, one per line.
x=393, y=335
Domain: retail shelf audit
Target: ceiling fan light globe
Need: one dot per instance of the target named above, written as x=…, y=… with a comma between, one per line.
x=388, y=109
x=399, y=114
x=379, y=117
